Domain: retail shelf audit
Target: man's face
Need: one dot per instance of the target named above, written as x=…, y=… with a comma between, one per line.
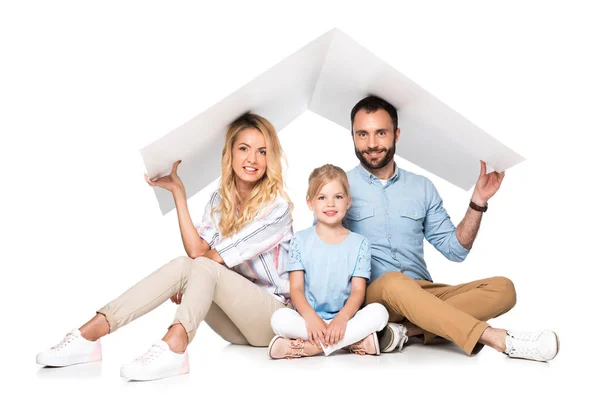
x=374, y=138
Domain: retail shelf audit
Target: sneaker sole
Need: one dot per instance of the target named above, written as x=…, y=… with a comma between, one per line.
x=64, y=363
x=388, y=336
x=142, y=377
x=557, y=345
x=377, y=350
x=182, y=370
x=271, y=346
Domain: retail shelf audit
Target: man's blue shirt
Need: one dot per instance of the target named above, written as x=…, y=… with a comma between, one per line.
x=395, y=218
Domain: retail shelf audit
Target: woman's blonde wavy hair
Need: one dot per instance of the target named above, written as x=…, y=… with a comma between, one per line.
x=265, y=190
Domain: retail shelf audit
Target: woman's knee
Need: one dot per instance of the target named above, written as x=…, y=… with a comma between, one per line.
x=207, y=268
x=207, y=264
x=177, y=265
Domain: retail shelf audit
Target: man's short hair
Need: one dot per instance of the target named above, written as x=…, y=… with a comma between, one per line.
x=371, y=104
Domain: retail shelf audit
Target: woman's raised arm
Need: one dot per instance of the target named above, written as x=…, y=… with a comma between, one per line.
x=194, y=245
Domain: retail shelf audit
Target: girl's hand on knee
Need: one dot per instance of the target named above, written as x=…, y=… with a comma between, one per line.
x=335, y=331
x=316, y=328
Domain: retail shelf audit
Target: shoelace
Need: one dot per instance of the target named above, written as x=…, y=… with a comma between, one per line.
x=69, y=337
x=402, y=342
x=522, y=345
x=358, y=348
x=296, y=349
x=152, y=354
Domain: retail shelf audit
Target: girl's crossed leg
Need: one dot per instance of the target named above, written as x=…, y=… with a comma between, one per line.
x=360, y=337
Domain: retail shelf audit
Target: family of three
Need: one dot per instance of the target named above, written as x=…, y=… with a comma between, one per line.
x=356, y=280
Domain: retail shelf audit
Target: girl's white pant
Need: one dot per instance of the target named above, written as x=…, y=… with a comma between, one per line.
x=372, y=318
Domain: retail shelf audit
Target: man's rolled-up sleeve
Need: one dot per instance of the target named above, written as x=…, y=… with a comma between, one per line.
x=439, y=229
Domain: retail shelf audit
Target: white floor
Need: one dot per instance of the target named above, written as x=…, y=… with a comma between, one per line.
x=222, y=370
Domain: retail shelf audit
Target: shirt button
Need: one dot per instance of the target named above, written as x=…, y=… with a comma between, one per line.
x=387, y=212
x=414, y=215
x=357, y=215
x=389, y=236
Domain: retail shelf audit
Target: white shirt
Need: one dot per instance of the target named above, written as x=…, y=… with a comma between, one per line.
x=259, y=250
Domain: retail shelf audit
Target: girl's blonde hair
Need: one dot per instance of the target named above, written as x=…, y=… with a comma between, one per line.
x=264, y=191
x=322, y=176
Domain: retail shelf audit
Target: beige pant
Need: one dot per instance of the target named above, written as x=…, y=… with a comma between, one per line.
x=238, y=310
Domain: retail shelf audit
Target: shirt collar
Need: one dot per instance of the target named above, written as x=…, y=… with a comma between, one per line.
x=369, y=177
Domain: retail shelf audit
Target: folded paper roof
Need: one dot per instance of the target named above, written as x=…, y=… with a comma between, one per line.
x=329, y=76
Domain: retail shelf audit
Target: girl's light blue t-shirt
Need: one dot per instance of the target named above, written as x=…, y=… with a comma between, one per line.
x=328, y=269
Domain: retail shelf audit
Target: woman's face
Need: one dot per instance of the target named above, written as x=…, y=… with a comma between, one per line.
x=249, y=156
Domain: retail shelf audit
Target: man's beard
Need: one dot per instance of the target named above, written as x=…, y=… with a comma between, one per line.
x=389, y=156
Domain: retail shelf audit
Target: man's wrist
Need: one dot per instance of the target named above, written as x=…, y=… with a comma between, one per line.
x=477, y=207
x=478, y=201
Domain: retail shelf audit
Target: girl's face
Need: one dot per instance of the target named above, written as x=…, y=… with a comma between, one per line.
x=330, y=204
x=249, y=156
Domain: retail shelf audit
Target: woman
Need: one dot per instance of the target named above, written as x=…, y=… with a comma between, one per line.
x=238, y=252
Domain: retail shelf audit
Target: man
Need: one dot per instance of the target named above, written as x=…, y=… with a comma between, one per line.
x=396, y=210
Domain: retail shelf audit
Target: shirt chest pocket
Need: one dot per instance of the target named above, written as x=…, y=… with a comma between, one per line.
x=359, y=218
x=409, y=227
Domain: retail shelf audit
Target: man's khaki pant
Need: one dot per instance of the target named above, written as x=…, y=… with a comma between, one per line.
x=457, y=313
x=238, y=310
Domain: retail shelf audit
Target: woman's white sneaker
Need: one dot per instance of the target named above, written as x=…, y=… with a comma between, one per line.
x=72, y=349
x=157, y=363
x=537, y=346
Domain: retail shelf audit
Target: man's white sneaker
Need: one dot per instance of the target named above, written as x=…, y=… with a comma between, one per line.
x=391, y=337
x=537, y=346
x=73, y=349
x=158, y=362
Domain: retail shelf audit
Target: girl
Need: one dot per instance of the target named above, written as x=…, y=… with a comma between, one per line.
x=329, y=269
x=238, y=252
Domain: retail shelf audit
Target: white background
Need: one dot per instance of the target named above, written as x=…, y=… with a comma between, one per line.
x=85, y=85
